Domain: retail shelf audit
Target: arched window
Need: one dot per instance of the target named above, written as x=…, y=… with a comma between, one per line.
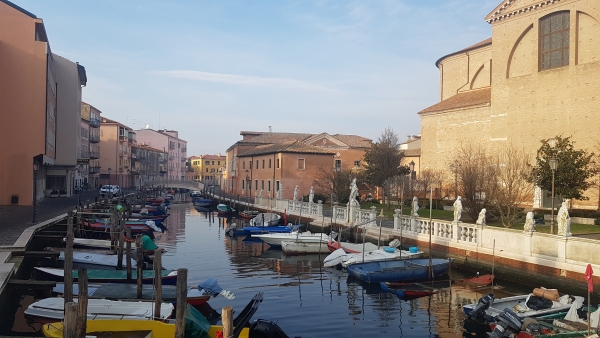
x=554, y=40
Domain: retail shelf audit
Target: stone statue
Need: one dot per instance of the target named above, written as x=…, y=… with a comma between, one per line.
x=457, y=209
x=280, y=191
x=415, y=206
x=261, y=193
x=529, y=222
x=563, y=220
x=311, y=195
x=353, y=193
x=481, y=218
x=296, y=193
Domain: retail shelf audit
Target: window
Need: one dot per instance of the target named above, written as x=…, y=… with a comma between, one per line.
x=218, y=162
x=262, y=184
x=268, y=185
x=213, y=162
x=301, y=164
x=251, y=165
x=207, y=162
x=554, y=40
x=276, y=185
x=206, y=169
x=263, y=164
x=255, y=184
x=242, y=185
x=256, y=164
x=338, y=165
x=277, y=163
x=269, y=163
x=244, y=165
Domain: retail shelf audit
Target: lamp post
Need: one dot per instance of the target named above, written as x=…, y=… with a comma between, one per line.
x=412, y=170
x=36, y=167
x=247, y=185
x=553, y=165
x=110, y=191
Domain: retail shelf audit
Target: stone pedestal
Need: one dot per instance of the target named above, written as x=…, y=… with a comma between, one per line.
x=397, y=220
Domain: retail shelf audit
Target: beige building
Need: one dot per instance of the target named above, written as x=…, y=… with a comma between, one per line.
x=116, y=140
x=544, y=82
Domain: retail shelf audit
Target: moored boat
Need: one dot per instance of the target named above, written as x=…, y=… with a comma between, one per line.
x=169, y=277
x=276, y=239
x=248, y=214
x=225, y=210
x=398, y=270
x=351, y=247
x=409, y=291
x=233, y=230
x=265, y=219
x=303, y=248
x=341, y=257
x=95, y=260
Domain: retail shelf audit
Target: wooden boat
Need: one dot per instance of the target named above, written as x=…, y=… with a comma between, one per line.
x=91, y=243
x=248, y=214
x=409, y=291
x=341, y=257
x=96, y=260
x=51, y=310
x=303, y=248
x=265, y=219
x=351, y=247
x=169, y=277
x=276, y=239
x=121, y=291
x=398, y=270
x=103, y=227
x=233, y=230
x=202, y=202
x=225, y=210
x=477, y=281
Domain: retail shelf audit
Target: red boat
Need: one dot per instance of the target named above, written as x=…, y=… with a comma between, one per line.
x=408, y=291
x=102, y=227
x=478, y=280
x=248, y=214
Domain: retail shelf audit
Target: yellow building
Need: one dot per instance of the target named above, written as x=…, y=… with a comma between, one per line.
x=544, y=82
x=206, y=167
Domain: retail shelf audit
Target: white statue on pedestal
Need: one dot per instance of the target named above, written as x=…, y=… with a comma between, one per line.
x=280, y=191
x=296, y=193
x=563, y=220
x=311, y=195
x=353, y=193
x=481, y=218
x=261, y=193
x=457, y=209
x=529, y=222
x=415, y=206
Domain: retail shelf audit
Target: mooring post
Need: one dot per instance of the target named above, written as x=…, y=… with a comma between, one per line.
x=140, y=264
x=68, y=268
x=121, y=234
x=181, y=302
x=158, y=281
x=70, y=326
x=128, y=253
x=82, y=302
x=227, y=319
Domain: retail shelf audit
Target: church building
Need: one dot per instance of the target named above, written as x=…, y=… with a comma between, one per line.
x=538, y=76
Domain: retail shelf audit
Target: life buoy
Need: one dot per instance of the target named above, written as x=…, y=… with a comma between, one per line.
x=127, y=239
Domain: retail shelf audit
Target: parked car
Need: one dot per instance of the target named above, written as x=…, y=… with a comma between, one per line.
x=110, y=189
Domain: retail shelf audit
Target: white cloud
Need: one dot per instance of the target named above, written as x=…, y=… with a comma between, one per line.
x=243, y=80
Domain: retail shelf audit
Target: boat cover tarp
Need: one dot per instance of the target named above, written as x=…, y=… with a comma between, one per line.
x=196, y=326
x=214, y=289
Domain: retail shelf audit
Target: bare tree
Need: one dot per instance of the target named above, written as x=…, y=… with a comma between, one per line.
x=512, y=187
x=330, y=182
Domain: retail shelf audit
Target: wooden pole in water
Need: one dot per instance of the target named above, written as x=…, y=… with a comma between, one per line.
x=181, y=303
x=113, y=226
x=70, y=326
x=82, y=303
x=128, y=253
x=227, y=319
x=140, y=264
x=493, y=262
x=68, y=265
x=121, y=242
x=158, y=282
x=401, y=213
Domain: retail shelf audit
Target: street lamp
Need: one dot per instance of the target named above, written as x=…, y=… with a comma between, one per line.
x=412, y=170
x=247, y=184
x=553, y=164
x=110, y=191
x=36, y=167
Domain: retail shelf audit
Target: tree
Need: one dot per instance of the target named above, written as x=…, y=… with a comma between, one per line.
x=383, y=160
x=476, y=177
x=330, y=182
x=574, y=172
x=512, y=186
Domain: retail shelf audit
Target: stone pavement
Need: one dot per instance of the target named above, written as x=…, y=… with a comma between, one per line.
x=15, y=219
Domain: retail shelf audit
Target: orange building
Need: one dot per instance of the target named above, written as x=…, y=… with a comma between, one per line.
x=266, y=160
x=115, y=153
x=28, y=105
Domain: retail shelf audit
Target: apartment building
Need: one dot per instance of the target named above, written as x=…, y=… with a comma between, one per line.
x=88, y=161
x=116, y=140
x=168, y=141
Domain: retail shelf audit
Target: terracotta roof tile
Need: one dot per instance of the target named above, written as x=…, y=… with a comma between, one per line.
x=472, y=98
x=354, y=141
x=213, y=157
x=286, y=147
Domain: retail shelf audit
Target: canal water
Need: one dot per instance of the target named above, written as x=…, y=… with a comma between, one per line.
x=305, y=299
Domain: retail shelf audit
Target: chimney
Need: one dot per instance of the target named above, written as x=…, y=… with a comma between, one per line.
x=407, y=138
x=270, y=129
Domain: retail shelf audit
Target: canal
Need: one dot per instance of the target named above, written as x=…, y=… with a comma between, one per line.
x=304, y=298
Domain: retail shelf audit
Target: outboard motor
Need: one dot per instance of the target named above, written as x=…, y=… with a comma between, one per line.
x=507, y=323
x=266, y=329
x=484, y=303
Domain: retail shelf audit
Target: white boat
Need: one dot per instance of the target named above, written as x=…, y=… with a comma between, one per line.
x=275, y=239
x=96, y=259
x=92, y=243
x=352, y=247
x=50, y=310
x=265, y=219
x=340, y=256
x=302, y=248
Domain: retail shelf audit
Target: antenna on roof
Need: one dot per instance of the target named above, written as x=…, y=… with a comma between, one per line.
x=147, y=126
x=270, y=129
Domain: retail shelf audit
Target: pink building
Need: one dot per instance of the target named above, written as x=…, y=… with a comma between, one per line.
x=169, y=141
x=115, y=153
x=88, y=161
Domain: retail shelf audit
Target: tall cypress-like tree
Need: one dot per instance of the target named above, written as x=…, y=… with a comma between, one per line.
x=574, y=172
x=383, y=160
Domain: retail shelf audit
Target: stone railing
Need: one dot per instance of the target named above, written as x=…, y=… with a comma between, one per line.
x=440, y=230
x=352, y=215
x=297, y=207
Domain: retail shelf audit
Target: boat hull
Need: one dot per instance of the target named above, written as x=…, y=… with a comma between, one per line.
x=169, y=277
x=509, y=302
x=276, y=239
x=397, y=270
x=303, y=248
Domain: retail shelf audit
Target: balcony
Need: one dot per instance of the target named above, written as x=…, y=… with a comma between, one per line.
x=131, y=137
x=85, y=154
x=94, y=170
x=171, y=145
x=95, y=123
x=183, y=150
x=94, y=154
x=171, y=158
x=94, y=138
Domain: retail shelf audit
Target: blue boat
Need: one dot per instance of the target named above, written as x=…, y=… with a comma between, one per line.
x=202, y=202
x=256, y=230
x=398, y=270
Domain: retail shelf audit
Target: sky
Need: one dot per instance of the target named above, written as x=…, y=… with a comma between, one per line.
x=210, y=69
